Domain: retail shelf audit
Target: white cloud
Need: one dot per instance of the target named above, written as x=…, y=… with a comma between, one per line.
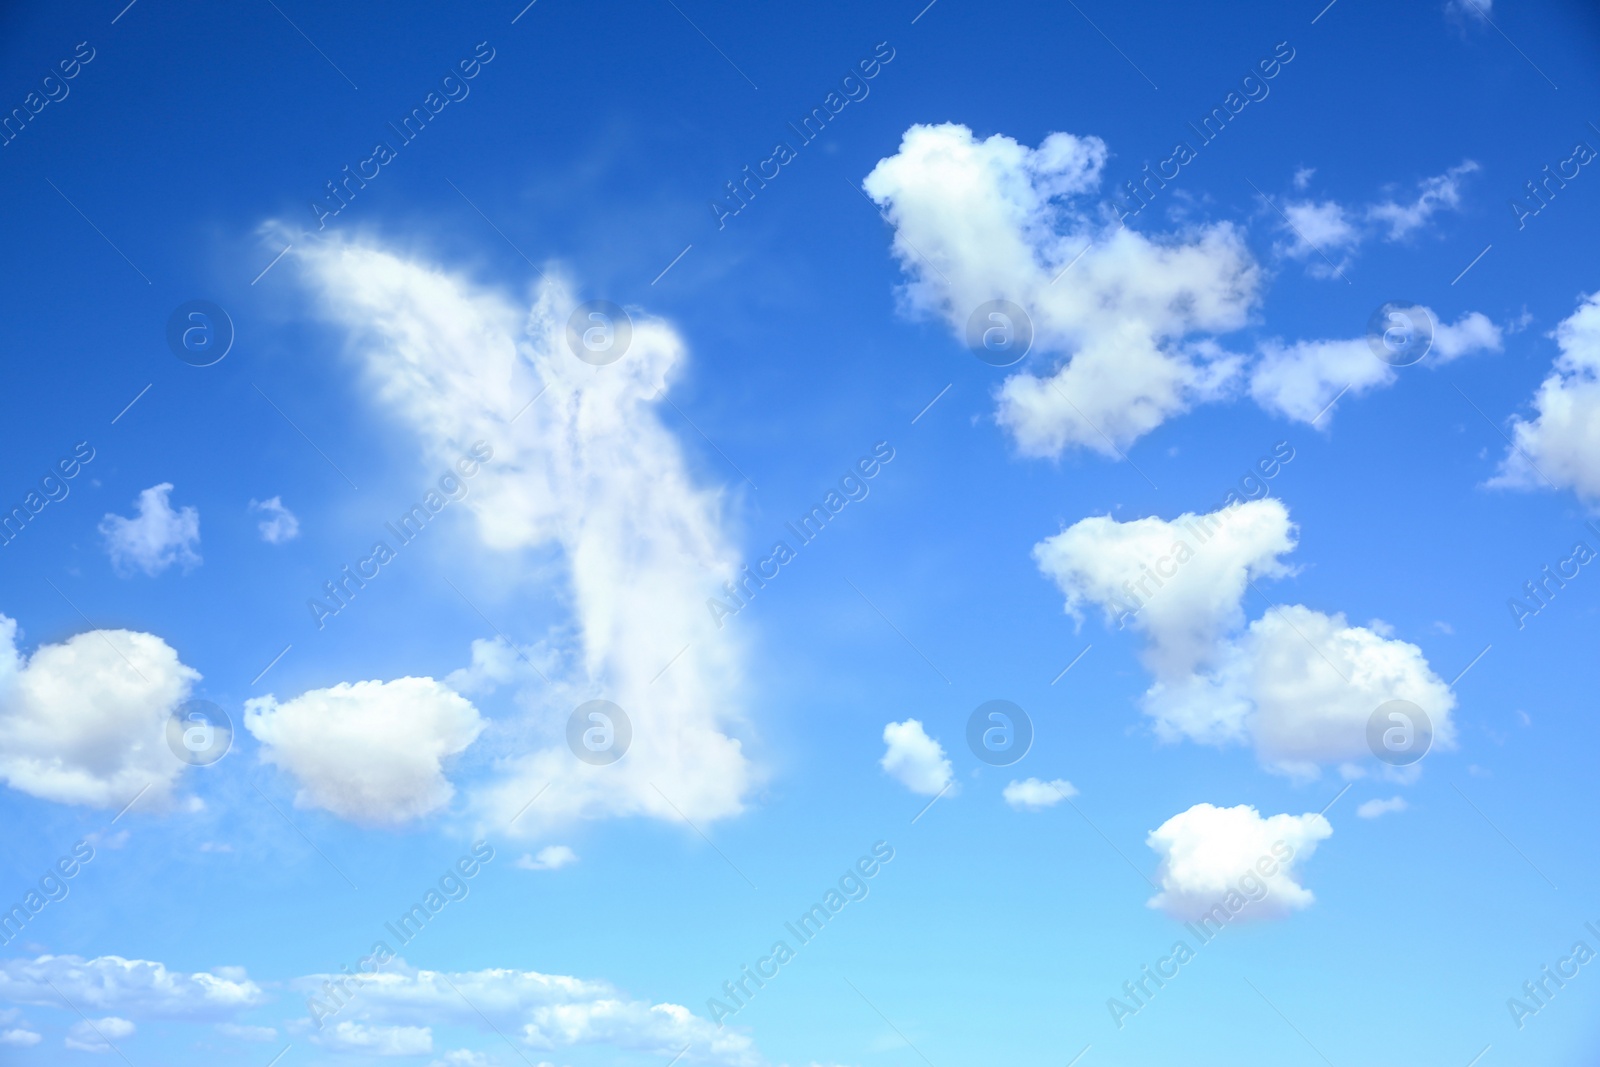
x=1300, y=380
x=463, y=1057
x=1320, y=228
x=141, y=988
x=993, y=219
x=914, y=759
x=1183, y=580
x=1325, y=234
x=84, y=721
x=1372, y=809
x=350, y=1036
x=1213, y=856
x=1296, y=684
x=588, y=469
x=372, y=752
x=1442, y=191
x=280, y=524
x=1031, y=794
x=156, y=537
x=550, y=858
x=97, y=1035
x=1473, y=332
x=1300, y=687
x=539, y=1011
x=1562, y=441
x=19, y=1037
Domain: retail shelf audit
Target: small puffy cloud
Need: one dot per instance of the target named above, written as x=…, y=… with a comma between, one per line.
x=19, y=1037
x=1031, y=794
x=551, y=858
x=97, y=1035
x=350, y=1036
x=1372, y=809
x=1299, y=381
x=155, y=538
x=1317, y=229
x=372, y=752
x=914, y=759
x=279, y=523
x=84, y=721
x=1121, y=340
x=247, y=1033
x=1297, y=685
x=1561, y=442
x=463, y=1057
x=1473, y=332
x=1234, y=859
x=1179, y=582
x=141, y=988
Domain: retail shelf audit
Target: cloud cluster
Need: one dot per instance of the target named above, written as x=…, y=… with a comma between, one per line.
x=1560, y=445
x=1213, y=856
x=156, y=537
x=1124, y=325
x=1297, y=685
x=372, y=752
x=84, y=721
x=279, y=525
x=141, y=988
x=543, y=1012
x=914, y=759
x=1030, y=794
x=978, y=220
x=583, y=466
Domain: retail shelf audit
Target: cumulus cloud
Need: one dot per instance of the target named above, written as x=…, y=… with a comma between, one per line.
x=914, y=759
x=1561, y=442
x=350, y=1036
x=550, y=858
x=1301, y=380
x=584, y=465
x=1233, y=858
x=140, y=988
x=1372, y=809
x=1121, y=334
x=1438, y=193
x=279, y=525
x=543, y=1012
x=84, y=721
x=1031, y=794
x=155, y=538
x=1180, y=583
x=1296, y=684
x=97, y=1035
x=372, y=752
x=19, y=1037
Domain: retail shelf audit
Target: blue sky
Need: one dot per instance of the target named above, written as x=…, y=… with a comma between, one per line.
x=1206, y=363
